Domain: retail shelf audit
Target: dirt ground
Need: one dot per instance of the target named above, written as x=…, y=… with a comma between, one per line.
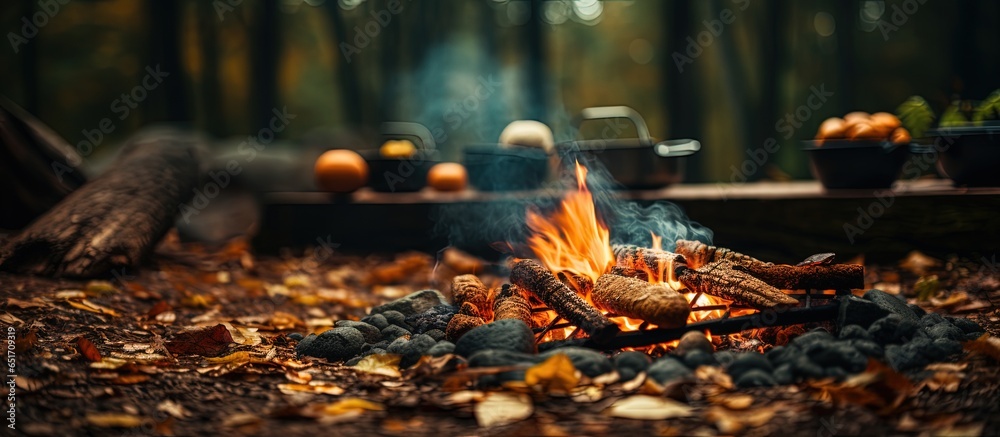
x=142, y=353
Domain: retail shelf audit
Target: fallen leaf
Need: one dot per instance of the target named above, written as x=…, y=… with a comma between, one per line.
x=986, y=345
x=733, y=402
x=98, y=288
x=501, y=408
x=114, y=420
x=205, y=342
x=235, y=357
x=350, y=405
x=954, y=299
x=554, y=375
x=244, y=335
x=10, y=319
x=26, y=342
x=25, y=304
x=918, y=263
x=643, y=407
x=86, y=305
x=315, y=387
x=380, y=364
x=137, y=378
x=160, y=307
x=88, y=350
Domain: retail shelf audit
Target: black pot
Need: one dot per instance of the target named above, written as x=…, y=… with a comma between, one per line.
x=968, y=155
x=493, y=167
x=840, y=164
x=637, y=163
x=401, y=175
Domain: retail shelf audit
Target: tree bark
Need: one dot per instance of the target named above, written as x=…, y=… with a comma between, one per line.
x=114, y=221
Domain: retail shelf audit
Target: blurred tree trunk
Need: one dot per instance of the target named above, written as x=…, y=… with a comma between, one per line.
x=264, y=61
x=209, y=95
x=164, y=50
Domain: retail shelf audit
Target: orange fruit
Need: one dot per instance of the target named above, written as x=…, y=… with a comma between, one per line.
x=447, y=176
x=831, y=128
x=900, y=136
x=341, y=171
x=863, y=132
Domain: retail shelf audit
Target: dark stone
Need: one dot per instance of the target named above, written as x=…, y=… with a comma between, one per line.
x=696, y=358
x=835, y=373
x=371, y=333
x=411, y=304
x=917, y=310
x=500, y=378
x=779, y=355
x=783, y=374
x=923, y=346
x=434, y=318
x=337, y=344
x=397, y=318
x=393, y=332
x=631, y=363
x=502, y=357
x=436, y=334
x=377, y=320
x=943, y=347
x=510, y=334
x=907, y=329
x=588, y=361
x=667, y=369
x=805, y=368
x=816, y=335
x=891, y=304
x=747, y=361
x=694, y=340
x=725, y=358
x=972, y=336
x=931, y=319
x=369, y=346
x=817, y=346
x=967, y=326
x=397, y=345
x=854, y=331
x=945, y=330
x=414, y=349
x=442, y=348
x=884, y=330
x=840, y=354
x=304, y=343
x=354, y=361
x=755, y=378
x=295, y=336
x=857, y=311
x=867, y=347
x=904, y=357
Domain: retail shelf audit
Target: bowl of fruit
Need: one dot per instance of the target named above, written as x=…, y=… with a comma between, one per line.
x=859, y=150
x=967, y=142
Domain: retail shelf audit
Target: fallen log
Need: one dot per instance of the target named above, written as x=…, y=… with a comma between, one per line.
x=655, y=303
x=538, y=280
x=114, y=221
x=656, y=262
x=720, y=279
x=511, y=303
x=783, y=276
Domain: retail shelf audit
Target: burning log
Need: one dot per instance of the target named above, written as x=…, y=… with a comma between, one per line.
x=469, y=309
x=469, y=289
x=630, y=297
x=647, y=260
x=809, y=276
x=511, y=303
x=720, y=279
x=460, y=324
x=532, y=277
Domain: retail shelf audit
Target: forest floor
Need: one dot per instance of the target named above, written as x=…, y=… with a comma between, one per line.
x=196, y=344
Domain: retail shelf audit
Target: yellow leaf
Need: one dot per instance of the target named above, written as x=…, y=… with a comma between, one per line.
x=986, y=345
x=86, y=305
x=97, y=288
x=644, y=407
x=554, y=375
x=501, y=408
x=316, y=387
x=351, y=405
x=235, y=357
x=380, y=364
x=114, y=420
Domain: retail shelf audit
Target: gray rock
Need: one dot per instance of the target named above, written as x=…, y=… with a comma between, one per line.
x=631, y=363
x=904, y=357
x=397, y=345
x=667, y=369
x=967, y=326
x=371, y=333
x=854, y=331
x=805, y=368
x=442, y=348
x=835, y=373
x=397, y=318
x=884, y=330
x=907, y=329
x=414, y=349
x=816, y=335
x=972, y=336
x=694, y=340
x=588, y=361
x=943, y=347
x=840, y=354
x=502, y=357
x=923, y=346
x=436, y=334
x=393, y=332
x=337, y=344
x=945, y=330
x=917, y=310
x=509, y=334
x=891, y=304
x=755, y=378
x=779, y=355
x=783, y=374
x=414, y=303
x=435, y=318
x=931, y=319
x=377, y=320
x=697, y=358
x=860, y=312
x=379, y=345
x=867, y=347
x=295, y=336
x=725, y=358
x=748, y=361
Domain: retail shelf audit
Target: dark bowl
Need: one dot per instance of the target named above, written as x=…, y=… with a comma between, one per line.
x=398, y=175
x=840, y=164
x=968, y=155
x=510, y=168
x=633, y=163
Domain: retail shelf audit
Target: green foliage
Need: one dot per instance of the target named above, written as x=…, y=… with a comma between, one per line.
x=988, y=109
x=916, y=115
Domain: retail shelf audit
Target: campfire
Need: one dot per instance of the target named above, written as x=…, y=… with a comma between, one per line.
x=612, y=296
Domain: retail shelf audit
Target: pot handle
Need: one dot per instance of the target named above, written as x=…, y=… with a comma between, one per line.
x=677, y=148
x=410, y=130
x=608, y=112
